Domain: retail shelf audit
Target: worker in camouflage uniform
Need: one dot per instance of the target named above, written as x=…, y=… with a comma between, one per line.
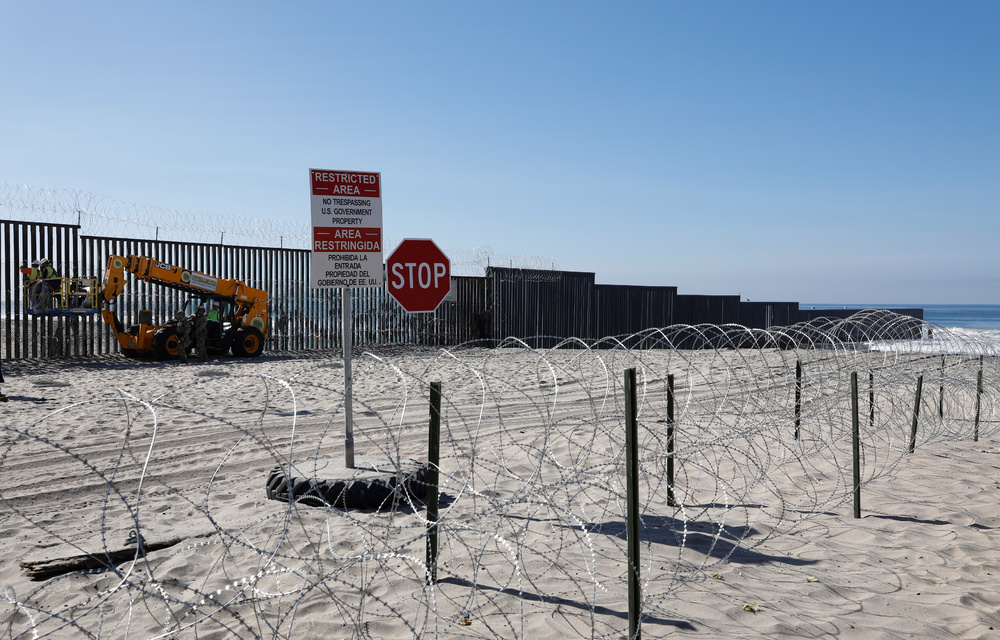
x=183, y=336
x=201, y=333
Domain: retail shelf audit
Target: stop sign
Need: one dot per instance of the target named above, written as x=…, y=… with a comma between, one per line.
x=419, y=275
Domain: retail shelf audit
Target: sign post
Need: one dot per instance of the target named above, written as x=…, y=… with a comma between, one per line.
x=346, y=253
x=419, y=275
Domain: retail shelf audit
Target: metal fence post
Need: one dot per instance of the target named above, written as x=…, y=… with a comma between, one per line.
x=433, y=477
x=798, y=397
x=632, y=503
x=979, y=397
x=671, y=498
x=856, y=444
x=916, y=413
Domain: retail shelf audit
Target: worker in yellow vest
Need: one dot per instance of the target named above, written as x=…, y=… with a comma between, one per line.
x=31, y=274
x=50, y=276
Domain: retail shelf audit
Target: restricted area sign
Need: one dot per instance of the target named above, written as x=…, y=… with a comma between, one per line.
x=347, y=228
x=419, y=275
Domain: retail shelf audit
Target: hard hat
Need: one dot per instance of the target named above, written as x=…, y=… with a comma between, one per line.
x=201, y=309
x=34, y=263
x=179, y=315
x=44, y=260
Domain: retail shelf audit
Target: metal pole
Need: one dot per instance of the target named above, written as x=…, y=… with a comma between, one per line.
x=871, y=398
x=671, y=500
x=345, y=325
x=979, y=395
x=941, y=398
x=856, y=444
x=433, y=457
x=632, y=503
x=916, y=413
x=798, y=397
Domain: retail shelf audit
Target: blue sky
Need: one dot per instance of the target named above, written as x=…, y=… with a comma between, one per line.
x=807, y=151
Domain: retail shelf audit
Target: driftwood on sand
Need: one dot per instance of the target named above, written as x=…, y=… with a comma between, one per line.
x=104, y=560
x=99, y=561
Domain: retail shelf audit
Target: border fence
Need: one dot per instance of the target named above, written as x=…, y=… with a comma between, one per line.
x=537, y=305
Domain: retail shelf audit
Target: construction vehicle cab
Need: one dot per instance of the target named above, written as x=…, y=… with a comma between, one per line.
x=237, y=312
x=225, y=329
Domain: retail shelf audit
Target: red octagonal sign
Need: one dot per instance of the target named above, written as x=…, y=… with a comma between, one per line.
x=419, y=275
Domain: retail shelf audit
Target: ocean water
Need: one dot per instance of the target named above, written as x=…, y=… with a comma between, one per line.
x=963, y=316
x=970, y=328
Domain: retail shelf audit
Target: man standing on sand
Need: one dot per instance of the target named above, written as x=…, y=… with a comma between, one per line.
x=183, y=336
x=200, y=333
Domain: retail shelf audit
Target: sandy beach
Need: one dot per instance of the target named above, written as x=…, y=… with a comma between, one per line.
x=762, y=541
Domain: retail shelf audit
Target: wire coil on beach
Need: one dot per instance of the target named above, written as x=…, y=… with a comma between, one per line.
x=532, y=519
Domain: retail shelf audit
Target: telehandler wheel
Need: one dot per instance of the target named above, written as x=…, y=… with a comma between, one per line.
x=249, y=342
x=165, y=343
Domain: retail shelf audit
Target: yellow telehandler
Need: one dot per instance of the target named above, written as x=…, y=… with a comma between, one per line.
x=237, y=313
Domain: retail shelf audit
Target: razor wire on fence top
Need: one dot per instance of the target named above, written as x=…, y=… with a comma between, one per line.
x=532, y=517
x=100, y=215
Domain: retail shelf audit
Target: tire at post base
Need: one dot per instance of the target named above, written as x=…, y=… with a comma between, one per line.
x=379, y=492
